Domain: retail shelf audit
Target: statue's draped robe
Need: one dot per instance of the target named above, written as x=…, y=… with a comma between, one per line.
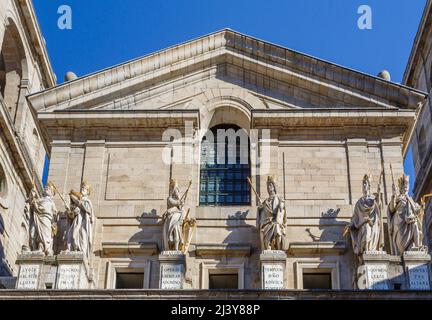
x=403, y=235
x=173, y=221
x=43, y=211
x=79, y=233
x=365, y=237
x=271, y=220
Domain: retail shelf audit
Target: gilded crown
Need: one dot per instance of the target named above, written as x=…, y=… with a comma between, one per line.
x=85, y=185
x=172, y=183
x=51, y=185
x=271, y=179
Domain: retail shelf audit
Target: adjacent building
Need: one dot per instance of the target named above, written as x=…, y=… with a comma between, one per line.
x=24, y=69
x=418, y=74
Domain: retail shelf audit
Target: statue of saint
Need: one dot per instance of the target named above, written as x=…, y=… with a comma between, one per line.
x=173, y=219
x=78, y=235
x=271, y=219
x=366, y=223
x=43, y=213
x=405, y=220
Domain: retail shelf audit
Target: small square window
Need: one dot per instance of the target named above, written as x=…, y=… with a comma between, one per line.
x=315, y=280
x=129, y=280
x=223, y=281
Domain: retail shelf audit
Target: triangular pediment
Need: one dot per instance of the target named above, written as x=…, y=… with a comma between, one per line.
x=226, y=64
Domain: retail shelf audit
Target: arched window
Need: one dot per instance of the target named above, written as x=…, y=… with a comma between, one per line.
x=12, y=67
x=422, y=143
x=225, y=167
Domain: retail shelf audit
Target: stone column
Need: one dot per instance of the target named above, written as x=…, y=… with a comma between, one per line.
x=73, y=271
x=93, y=173
x=391, y=153
x=268, y=163
x=417, y=270
x=172, y=270
x=373, y=274
x=358, y=165
x=273, y=266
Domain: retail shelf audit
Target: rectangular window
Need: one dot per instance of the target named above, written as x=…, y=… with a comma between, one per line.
x=129, y=280
x=223, y=281
x=223, y=183
x=317, y=280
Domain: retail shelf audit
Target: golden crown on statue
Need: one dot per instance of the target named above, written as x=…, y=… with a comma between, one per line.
x=85, y=185
x=172, y=183
x=271, y=179
x=51, y=186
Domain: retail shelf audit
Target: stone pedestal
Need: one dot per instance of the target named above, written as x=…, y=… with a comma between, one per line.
x=172, y=269
x=73, y=271
x=30, y=269
x=36, y=271
x=273, y=265
x=373, y=274
x=417, y=270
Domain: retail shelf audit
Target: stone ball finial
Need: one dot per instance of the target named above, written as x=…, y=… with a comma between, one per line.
x=384, y=74
x=69, y=76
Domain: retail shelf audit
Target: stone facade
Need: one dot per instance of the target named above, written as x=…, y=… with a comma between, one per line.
x=315, y=129
x=418, y=74
x=320, y=128
x=24, y=69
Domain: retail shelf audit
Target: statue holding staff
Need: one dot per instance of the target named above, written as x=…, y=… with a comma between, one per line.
x=174, y=218
x=405, y=219
x=271, y=218
x=366, y=223
x=78, y=235
x=42, y=216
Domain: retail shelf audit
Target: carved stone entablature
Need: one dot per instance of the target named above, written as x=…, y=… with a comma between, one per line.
x=229, y=250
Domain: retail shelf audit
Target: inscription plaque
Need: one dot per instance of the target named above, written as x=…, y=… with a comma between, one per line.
x=28, y=276
x=418, y=275
x=377, y=277
x=68, y=276
x=273, y=275
x=171, y=276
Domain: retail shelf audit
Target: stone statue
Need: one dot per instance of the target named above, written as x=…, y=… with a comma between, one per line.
x=42, y=216
x=174, y=218
x=271, y=219
x=366, y=223
x=405, y=220
x=78, y=235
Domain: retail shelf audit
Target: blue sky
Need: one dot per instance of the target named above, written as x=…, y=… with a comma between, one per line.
x=109, y=32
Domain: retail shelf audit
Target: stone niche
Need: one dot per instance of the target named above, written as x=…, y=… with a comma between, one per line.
x=65, y=271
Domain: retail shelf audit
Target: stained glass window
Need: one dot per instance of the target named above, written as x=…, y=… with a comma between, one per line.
x=225, y=166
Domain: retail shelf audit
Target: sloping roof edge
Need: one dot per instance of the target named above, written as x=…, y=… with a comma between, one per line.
x=225, y=38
